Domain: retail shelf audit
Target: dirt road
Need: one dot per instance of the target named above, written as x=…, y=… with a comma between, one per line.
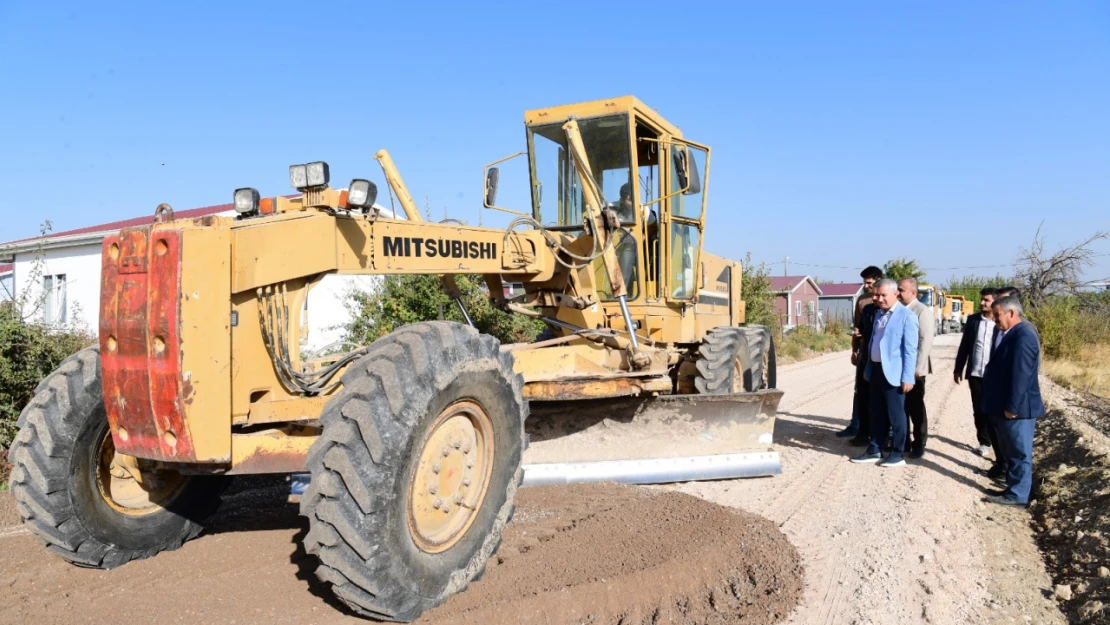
x=901, y=546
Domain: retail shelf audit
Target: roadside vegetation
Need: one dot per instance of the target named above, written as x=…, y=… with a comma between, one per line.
x=29, y=351
x=805, y=342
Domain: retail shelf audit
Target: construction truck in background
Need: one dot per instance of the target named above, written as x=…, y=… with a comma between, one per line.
x=416, y=444
x=932, y=296
x=955, y=313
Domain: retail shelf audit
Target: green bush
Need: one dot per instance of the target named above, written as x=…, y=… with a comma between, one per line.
x=759, y=299
x=403, y=299
x=29, y=351
x=1067, y=323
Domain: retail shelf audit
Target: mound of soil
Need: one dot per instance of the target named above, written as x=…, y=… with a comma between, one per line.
x=1071, y=511
x=605, y=553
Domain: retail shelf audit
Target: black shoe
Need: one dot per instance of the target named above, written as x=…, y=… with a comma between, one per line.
x=1003, y=501
x=866, y=458
x=847, y=432
x=860, y=441
x=916, y=453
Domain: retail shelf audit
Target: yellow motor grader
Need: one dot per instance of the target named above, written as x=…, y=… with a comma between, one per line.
x=415, y=444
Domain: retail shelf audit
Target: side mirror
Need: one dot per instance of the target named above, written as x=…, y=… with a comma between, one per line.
x=695, y=176
x=681, y=158
x=491, y=186
x=686, y=170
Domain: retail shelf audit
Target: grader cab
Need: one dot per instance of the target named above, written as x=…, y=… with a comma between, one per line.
x=414, y=445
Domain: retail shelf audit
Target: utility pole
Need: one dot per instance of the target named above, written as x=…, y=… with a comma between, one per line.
x=785, y=259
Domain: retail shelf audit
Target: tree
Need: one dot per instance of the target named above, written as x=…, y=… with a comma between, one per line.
x=1042, y=275
x=755, y=290
x=902, y=268
x=399, y=300
x=970, y=286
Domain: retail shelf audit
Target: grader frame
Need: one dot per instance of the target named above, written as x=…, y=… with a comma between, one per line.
x=416, y=443
x=217, y=398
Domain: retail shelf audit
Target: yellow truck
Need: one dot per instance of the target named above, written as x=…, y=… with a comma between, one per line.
x=955, y=312
x=931, y=295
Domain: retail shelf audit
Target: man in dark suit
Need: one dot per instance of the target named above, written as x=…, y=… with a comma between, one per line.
x=971, y=361
x=1012, y=398
x=1007, y=291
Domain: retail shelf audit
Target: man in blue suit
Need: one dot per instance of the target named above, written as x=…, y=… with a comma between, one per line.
x=891, y=362
x=1012, y=398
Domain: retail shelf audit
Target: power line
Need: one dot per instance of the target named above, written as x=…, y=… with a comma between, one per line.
x=1014, y=264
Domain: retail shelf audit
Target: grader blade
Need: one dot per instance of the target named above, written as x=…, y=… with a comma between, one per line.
x=670, y=438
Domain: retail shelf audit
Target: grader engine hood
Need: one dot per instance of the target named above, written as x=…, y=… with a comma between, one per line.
x=165, y=342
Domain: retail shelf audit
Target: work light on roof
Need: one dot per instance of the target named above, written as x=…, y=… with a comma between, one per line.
x=361, y=194
x=246, y=201
x=311, y=176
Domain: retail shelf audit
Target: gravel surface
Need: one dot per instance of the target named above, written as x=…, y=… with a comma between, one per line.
x=1071, y=511
x=902, y=545
x=908, y=545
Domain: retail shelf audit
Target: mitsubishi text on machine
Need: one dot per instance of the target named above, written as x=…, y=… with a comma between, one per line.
x=445, y=248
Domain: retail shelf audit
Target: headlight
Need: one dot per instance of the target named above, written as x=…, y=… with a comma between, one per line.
x=318, y=175
x=298, y=177
x=246, y=201
x=310, y=176
x=361, y=194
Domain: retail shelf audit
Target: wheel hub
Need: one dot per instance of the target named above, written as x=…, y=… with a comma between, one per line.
x=451, y=476
x=128, y=487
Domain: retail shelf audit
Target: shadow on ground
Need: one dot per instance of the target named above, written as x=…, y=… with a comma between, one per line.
x=797, y=430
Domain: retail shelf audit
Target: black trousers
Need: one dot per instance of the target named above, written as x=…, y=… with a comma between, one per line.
x=983, y=432
x=861, y=401
x=917, y=422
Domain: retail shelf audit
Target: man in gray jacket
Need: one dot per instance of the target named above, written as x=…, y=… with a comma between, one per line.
x=915, y=399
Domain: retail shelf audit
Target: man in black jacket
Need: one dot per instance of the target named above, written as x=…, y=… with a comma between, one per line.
x=860, y=426
x=971, y=363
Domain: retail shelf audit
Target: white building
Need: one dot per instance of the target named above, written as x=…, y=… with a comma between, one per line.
x=60, y=274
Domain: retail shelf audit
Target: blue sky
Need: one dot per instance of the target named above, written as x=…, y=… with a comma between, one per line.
x=843, y=134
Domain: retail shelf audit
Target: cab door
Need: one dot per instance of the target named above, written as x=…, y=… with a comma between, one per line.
x=684, y=219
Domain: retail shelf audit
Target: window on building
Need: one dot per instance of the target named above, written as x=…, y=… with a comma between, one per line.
x=798, y=310
x=54, y=298
x=7, y=287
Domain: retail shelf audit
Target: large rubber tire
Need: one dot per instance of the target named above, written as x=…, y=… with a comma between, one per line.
x=54, y=479
x=736, y=360
x=364, y=464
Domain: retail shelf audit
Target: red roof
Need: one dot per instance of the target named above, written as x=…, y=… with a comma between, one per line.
x=189, y=213
x=781, y=284
x=137, y=221
x=842, y=289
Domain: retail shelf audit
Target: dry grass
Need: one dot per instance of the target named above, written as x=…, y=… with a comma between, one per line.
x=1088, y=372
x=805, y=343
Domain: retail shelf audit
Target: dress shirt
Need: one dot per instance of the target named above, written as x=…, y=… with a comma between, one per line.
x=881, y=319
